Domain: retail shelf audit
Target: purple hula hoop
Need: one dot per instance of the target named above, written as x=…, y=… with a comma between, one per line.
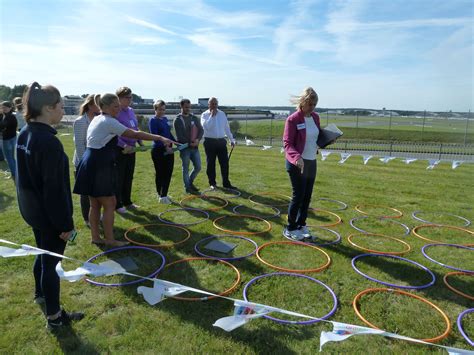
x=351, y=222
x=461, y=329
x=305, y=241
x=183, y=209
x=331, y=312
x=196, y=248
x=130, y=282
x=433, y=277
x=423, y=250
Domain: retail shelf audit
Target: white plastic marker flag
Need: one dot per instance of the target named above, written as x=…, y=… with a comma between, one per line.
x=86, y=269
x=385, y=160
x=282, y=150
x=342, y=331
x=409, y=160
x=344, y=157
x=432, y=163
x=160, y=290
x=366, y=158
x=244, y=312
x=456, y=163
x=266, y=147
x=248, y=142
x=324, y=154
x=6, y=252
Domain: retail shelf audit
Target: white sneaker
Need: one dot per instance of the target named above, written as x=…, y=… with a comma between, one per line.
x=306, y=232
x=294, y=234
x=165, y=200
x=121, y=210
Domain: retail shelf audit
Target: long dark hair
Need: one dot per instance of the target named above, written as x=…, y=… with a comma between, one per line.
x=37, y=96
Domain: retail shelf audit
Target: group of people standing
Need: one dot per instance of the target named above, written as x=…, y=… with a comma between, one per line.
x=105, y=135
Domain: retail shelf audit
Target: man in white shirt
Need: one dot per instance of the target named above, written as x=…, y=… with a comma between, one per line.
x=216, y=130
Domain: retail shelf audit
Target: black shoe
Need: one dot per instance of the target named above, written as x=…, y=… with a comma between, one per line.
x=193, y=187
x=190, y=191
x=64, y=320
x=230, y=186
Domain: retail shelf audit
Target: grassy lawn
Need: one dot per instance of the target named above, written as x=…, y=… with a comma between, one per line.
x=118, y=320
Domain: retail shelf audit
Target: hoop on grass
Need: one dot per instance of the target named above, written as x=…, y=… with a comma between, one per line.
x=223, y=293
x=276, y=210
x=373, y=290
x=168, y=245
x=338, y=221
x=283, y=321
x=163, y=260
x=342, y=205
x=415, y=232
x=196, y=247
x=445, y=279
x=391, y=220
x=162, y=219
x=407, y=246
x=397, y=215
x=423, y=251
x=465, y=220
x=337, y=240
x=204, y=197
x=461, y=329
x=431, y=283
x=302, y=271
x=268, y=229
x=235, y=192
x=270, y=194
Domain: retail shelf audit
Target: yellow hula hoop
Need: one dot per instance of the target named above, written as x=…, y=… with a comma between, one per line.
x=416, y=234
x=407, y=246
x=204, y=197
x=268, y=229
x=339, y=219
x=169, y=245
x=359, y=209
x=302, y=271
x=424, y=300
x=223, y=293
x=445, y=279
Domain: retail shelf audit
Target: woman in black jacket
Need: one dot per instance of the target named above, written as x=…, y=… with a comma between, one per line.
x=8, y=125
x=44, y=194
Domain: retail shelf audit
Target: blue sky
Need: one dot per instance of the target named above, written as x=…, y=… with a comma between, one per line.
x=398, y=54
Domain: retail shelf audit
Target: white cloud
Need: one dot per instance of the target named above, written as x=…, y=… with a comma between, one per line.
x=146, y=24
x=149, y=41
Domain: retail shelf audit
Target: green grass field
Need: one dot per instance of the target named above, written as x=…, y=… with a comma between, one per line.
x=118, y=320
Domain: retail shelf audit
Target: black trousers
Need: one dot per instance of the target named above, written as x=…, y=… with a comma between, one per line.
x=216, y=148
x=164, y=165
x=126, y=169
x=85, y=205
x=302, y=185
x=44, y=268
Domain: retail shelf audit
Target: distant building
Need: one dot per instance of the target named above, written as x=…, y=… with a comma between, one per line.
x=72, y=104
x=148, y=101
x=203, y=101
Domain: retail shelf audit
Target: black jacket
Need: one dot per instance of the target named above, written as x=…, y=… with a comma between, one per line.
x=8, y=125
x=43, y=186
x=183, y=131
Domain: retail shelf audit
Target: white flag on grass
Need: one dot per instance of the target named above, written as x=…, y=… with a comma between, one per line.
x=160, y=290
x=432, y=163
x=244, y=312
x=409, y=160
x=366, y=158
x=282, y=150
x=324, y=154
x=456, y=163
x=86, y=269
x=6, y=252
x=248, y=142
x=266, y=147
x=344, y=157
x=385, y=160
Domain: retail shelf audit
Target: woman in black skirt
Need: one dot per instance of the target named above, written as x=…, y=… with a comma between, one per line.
x=97, y=174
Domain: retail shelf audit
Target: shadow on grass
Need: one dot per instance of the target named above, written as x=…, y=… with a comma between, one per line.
x=5, y=200
x=71, y=343
x=411, y=274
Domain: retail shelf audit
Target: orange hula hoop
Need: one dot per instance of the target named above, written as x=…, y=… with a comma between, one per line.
x=339, y=219
x=223, y=293
x=303, y=271
x=399, y=213
x=445, y=279
x=415, y=232
x=169, y=245
x=269, y=194
x=268, y=229
x=408, y=247
x=204, y=197
x=424, y=300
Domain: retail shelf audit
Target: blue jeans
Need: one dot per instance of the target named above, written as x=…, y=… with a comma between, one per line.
x=2, y=157
x=190, y=154
x=9, y=152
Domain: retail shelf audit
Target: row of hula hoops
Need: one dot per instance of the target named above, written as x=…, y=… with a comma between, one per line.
x=355, y=302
